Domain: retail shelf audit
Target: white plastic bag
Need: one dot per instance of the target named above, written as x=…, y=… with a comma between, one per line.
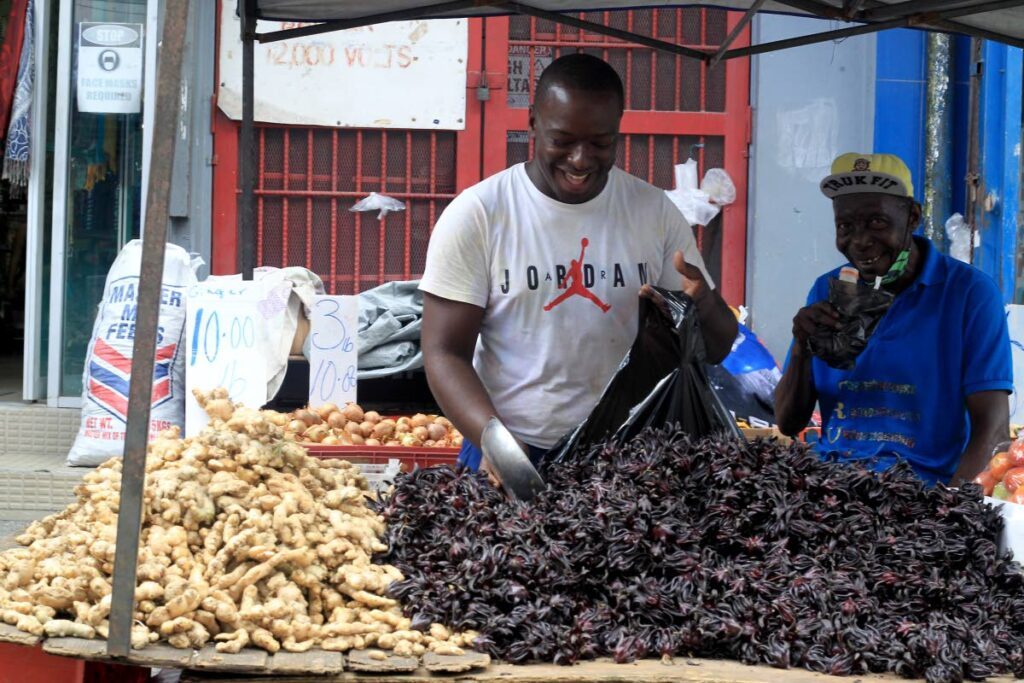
x=106, y=380
x=376, y=201
x=959, y=234
x=699, y=206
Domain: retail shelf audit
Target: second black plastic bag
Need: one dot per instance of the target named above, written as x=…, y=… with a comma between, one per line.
x=860, y=310
x=660, y=381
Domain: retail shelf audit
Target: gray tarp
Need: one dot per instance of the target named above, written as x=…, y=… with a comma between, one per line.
x=1005, y=18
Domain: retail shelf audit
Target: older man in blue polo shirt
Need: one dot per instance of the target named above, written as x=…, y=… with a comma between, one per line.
x=931, y=386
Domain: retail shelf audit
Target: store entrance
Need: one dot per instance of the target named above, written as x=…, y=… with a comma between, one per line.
x=13, y=230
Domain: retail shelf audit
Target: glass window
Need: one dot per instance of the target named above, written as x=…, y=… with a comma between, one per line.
x=104, y=183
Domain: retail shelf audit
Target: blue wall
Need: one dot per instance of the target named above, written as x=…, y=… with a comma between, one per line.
x=900, y=116
x=900, y=98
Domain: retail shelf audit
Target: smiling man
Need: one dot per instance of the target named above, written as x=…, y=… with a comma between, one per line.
x=532, y=277
x=931, y=385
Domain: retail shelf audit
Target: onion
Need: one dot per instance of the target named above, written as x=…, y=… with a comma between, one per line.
x=419, y=420
x=384, y=429
x=336, y=420
x=317, y=433
x=456, y=441
x=410, y=441
x=325, y=410
x=307, y=416
x=393, y=444
x=420, y=433
x=437, y=432
x=372, y=416
x=403, y=427
x=429, y=444
x=366, y=428
x=372, y=442
x=353, y=413
x=444, y=422
x=331, y=440
x=297, y=426
x=356, y=439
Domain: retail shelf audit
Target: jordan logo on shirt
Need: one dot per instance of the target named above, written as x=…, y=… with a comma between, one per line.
x=577, y=287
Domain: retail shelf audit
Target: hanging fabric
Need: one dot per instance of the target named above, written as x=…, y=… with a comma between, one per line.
x=16, y=156
x=10, y=58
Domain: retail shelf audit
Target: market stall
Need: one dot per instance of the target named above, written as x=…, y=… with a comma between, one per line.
x=212, y=602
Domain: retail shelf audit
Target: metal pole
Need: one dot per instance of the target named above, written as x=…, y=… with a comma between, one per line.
x=973, y=179
x=938, y=139
x=628, y=36
x=744, y=20
x=248, y=156
x=424, y=12
x=133, y=470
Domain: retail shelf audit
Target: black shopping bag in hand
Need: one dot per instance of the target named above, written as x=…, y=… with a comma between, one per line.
x=860, y=310
x=661, y=381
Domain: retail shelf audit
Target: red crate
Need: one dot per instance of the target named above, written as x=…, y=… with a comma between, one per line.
x=410, y=458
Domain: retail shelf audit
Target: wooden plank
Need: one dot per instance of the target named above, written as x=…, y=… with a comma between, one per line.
x=9, y=634
x=370, y=661
x=77, y=647
x=249, y=660
x=646, y=671
x=311, y=662
x=455, y=663
x=161, y=656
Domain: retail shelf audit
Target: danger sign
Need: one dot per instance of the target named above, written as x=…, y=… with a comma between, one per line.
x=109, y=68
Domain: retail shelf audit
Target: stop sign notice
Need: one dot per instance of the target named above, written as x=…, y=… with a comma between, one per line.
x=109, y=68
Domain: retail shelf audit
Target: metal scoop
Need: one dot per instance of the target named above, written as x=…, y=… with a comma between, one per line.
x=506, y=461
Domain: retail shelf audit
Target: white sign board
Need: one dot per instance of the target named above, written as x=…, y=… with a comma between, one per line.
x=402, y=74
x=333, y=354
x=109, y=68
x=1015, y=321
x=228, y=340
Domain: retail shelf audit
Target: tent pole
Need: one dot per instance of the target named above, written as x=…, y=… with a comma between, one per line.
x=247, y=144
x=140, y=392
x=740, y=25
x=569, y=20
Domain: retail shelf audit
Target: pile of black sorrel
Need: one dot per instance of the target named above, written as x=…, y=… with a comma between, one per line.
x=714, y=548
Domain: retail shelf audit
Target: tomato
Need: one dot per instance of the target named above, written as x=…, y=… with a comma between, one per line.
x=986, y=481
x=1013, y=478
x=999, y=464
x=1016, y=453
x=1018, y=497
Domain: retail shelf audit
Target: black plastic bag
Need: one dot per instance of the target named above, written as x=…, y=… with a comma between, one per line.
x=860, y=309
x=661, y=381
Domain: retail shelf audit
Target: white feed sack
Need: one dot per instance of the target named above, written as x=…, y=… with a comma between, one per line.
x=106, y=379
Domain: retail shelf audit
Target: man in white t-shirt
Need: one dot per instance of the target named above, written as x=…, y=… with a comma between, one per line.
x=532, y=277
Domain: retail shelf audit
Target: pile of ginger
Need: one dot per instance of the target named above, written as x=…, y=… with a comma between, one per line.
x=246, y=541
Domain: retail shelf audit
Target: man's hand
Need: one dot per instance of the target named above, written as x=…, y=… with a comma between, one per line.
x=694, y=284
x=809, y=320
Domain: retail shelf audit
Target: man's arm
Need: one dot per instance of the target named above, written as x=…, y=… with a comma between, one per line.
x=796, y=393
x=448, y=339
x=989, y=413
x=718, y=325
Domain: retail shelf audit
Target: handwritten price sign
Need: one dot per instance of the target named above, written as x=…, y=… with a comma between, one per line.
x=333, y=356
x=226, y=346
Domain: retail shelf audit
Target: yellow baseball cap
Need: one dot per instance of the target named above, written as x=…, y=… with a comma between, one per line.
x=854, y=173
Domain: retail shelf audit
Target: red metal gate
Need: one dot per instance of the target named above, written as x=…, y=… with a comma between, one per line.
x=309, y=177
x=675, y=107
